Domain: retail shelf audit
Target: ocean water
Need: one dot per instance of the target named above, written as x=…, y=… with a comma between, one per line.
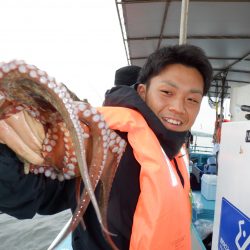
x=31, y=234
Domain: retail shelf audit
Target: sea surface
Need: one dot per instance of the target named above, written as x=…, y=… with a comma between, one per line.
x=32, y=234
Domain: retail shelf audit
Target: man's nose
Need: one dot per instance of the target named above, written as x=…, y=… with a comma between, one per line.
x=177, y=106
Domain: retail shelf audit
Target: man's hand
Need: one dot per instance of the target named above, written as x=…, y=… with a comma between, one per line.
x=24, y=135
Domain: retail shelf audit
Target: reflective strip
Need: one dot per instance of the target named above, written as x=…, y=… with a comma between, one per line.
x=185, y=157
x=169, y=165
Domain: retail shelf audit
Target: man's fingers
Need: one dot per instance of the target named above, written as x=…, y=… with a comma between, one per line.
x=13, y=141
x=35, y=126
x=26, y=128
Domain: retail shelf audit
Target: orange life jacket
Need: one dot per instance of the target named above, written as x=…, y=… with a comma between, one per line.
x=163, y=213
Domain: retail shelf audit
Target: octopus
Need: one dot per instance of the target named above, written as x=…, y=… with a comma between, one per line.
x=70, y=128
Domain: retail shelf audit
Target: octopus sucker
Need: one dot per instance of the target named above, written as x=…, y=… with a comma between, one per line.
x=68, y=126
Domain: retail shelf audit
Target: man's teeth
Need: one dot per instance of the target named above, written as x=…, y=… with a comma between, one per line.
x=173, y=121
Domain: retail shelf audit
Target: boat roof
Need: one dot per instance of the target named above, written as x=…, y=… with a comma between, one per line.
x=220, y=28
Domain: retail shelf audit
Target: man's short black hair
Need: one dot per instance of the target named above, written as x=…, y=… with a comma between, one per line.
x=188, y=55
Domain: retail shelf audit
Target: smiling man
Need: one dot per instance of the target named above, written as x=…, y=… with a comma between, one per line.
x=168, y=94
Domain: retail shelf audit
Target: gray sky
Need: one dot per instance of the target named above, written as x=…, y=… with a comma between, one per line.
x=78, y=42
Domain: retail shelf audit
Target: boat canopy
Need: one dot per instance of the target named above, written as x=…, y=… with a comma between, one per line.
x=220, y=28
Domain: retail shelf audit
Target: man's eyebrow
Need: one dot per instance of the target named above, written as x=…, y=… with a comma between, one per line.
x=172, y=84
x=196, y=91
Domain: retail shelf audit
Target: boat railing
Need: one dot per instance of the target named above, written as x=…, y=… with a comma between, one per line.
x=200, y=149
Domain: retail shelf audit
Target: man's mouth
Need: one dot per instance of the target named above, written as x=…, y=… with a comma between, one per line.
x=172, y=121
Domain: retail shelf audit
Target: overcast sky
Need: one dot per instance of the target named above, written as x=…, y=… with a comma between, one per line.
x=79, y=42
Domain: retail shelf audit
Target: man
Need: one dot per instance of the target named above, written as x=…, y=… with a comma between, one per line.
x=149, y=193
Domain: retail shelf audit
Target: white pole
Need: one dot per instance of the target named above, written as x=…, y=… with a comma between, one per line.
x=183, y=23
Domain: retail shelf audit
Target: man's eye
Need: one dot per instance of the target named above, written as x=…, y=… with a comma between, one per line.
x=193, y=100
x=166, y=92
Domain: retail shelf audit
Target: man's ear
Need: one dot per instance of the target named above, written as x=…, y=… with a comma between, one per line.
x=141, y=90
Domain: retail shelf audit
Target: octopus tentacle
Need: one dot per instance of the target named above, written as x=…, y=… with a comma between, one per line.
x=69, y=127
x=25, y=84
x=113, y=147
x=100, y=135
x=110, y=147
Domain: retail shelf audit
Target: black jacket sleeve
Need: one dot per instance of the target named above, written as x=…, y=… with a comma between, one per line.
x=22, y=196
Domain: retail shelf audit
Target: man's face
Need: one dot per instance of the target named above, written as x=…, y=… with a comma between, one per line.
x=175, y=96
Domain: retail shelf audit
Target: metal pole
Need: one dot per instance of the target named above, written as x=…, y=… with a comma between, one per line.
x=123, y=32
x=183, y=23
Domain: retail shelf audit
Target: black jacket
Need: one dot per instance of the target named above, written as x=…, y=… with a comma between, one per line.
x=22, y=196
